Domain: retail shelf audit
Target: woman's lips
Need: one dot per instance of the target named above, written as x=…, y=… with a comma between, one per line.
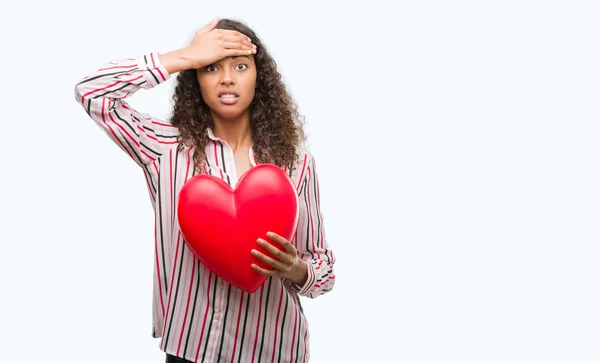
x=228, y=98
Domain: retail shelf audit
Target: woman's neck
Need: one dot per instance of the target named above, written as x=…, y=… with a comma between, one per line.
x=237, y=133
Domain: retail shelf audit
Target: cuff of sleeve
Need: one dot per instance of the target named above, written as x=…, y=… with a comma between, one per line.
x=153, y=71
x=310, y=281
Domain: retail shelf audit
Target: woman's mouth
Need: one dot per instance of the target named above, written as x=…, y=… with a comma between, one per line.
x=228, y=98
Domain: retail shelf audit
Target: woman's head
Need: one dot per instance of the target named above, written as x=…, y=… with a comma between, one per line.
x=274, y=120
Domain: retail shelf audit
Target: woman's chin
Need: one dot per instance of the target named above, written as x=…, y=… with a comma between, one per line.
x=230, y=113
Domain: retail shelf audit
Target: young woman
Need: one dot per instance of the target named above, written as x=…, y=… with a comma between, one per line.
x=231, y=112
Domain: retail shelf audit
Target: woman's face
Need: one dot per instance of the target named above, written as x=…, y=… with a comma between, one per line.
x=227, y=86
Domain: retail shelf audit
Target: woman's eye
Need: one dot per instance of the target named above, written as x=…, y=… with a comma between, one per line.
x=211, y=68
x=241, y=66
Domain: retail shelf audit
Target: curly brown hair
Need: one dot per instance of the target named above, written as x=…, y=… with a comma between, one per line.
x=277, y=126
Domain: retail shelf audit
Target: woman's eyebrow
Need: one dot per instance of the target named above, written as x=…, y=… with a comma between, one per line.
x=233, y=57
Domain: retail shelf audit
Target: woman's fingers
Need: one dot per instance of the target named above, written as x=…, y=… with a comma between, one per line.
x=230, y=49
x=242, y=41
x=236, y=52
x=283, y=267
x=232, y=34
x=262, y=271
x=235, y=46
x=208, y=46
x=210, y=26
x=276, y=252
x=282, y=241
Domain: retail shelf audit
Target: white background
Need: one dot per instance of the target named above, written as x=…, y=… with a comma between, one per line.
x=457, y=150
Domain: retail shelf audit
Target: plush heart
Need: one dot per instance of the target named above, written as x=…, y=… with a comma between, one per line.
x=221, y=225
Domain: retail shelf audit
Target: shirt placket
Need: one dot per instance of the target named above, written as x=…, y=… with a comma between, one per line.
x=230, y=169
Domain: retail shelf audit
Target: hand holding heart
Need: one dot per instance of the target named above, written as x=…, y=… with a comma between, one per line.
x=221, y=226
x=287, y=265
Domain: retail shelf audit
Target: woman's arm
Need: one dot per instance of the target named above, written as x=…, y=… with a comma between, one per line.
x=310, y=240
x=102, y=94
x=140, y=135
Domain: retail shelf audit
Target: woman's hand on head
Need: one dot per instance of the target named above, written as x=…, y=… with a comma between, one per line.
x=211, y=45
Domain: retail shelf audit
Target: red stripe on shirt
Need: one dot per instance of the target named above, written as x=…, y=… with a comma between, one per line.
x=147, y=177
x=293, y=336
x=194, y=265
x=158, y=69
x=124, y=130
x=187, y=306
x=162, y=304
x=113, y=132
x=152, y=158
x=275, y=327
x=217, y=160
x=237, y=327
x=304, y=352
x=262, y=288
x=98, y=89
x=302, y=173
x=159, y=123
x=115, y=67
x=171, y=285
x=205, y=315
x=312, y=227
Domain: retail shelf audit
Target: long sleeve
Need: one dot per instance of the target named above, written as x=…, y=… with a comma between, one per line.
x=141, y=136
x=310, y=240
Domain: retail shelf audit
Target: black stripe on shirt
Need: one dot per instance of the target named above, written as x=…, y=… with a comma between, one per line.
x=158, y=135
x=133, y=150
x=300, y=314
x=161, y=236
x=318, y=216
x=224, y=323
x=320, y=242
x=282, y=323
x=135, y=68
x=223, y=163
x=149, y=149
x=150, y=70
x=244, y=328
x=174, y=308
x=304, y=189
x=191, y=323
x=212, y=318
x=262, y=339
x=114, y=90
x=208, y=164
x=174, y=195
x=135, y=132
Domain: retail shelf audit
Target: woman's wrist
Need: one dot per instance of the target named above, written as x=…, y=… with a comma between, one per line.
x=299, y=273
x=175, y=61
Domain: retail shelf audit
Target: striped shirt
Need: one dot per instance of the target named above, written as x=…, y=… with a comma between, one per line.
x=198, y=315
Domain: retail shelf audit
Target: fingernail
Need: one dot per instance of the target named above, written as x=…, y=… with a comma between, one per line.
x=270, y=234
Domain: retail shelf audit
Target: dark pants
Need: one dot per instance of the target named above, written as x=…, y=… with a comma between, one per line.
x=174, y=359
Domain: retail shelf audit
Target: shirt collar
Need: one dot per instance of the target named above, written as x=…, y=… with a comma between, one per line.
x=211, y=135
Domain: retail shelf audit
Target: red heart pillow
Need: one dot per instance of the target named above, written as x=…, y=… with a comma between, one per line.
x=221, y=225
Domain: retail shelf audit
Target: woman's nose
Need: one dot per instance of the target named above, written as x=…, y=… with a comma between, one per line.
x=227, y=78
